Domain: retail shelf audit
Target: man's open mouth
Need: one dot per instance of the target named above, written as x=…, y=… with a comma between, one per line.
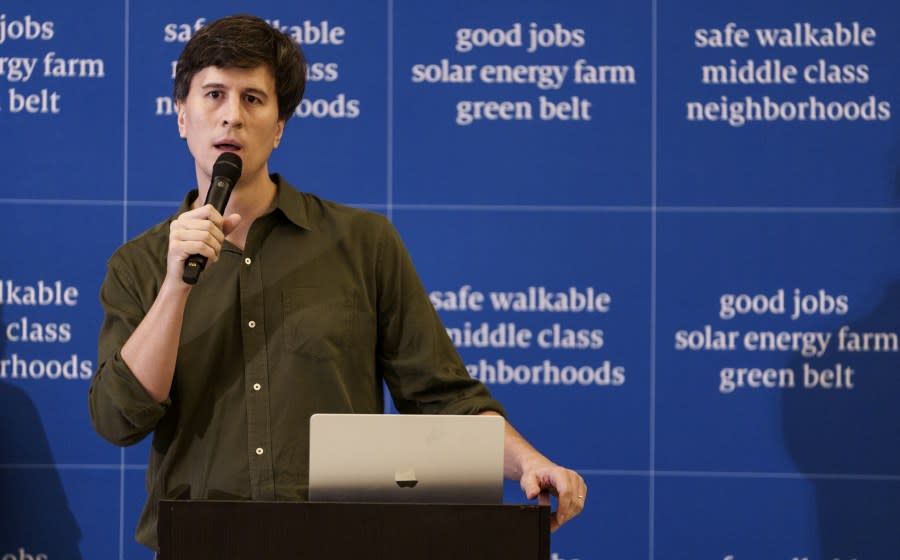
x=227, y=146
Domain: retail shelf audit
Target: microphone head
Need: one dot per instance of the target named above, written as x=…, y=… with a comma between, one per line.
x=228, y=166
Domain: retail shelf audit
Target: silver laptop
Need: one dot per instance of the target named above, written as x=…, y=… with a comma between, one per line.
x=410, y=458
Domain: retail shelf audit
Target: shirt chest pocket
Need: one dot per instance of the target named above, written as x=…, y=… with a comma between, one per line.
x=318, y=322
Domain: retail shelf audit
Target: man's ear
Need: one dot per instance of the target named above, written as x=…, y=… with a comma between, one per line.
x=278, y=133
x=179, y=109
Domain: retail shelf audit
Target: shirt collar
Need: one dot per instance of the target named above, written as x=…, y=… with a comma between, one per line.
x=291, y=202
x=288, y=200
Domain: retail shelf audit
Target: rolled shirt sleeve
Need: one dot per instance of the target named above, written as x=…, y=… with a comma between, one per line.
x=420, y=365
x=121, y=410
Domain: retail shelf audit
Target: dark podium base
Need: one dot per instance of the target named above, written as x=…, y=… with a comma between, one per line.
x=199, y=530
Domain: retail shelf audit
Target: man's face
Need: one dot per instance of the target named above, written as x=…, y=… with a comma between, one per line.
x=231, y=110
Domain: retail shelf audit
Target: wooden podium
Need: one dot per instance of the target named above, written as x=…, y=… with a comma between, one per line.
x=248, y=530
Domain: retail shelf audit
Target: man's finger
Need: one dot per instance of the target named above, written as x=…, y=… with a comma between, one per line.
x=531, y=487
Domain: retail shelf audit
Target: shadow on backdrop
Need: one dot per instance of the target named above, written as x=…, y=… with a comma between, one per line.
x=853, y=432
x=34, y=512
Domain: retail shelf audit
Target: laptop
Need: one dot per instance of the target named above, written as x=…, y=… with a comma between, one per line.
x=406, y=458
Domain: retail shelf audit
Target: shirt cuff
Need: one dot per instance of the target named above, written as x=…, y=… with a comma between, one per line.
x=135, y=404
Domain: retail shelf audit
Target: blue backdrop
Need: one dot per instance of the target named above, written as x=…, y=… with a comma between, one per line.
x=719, y=179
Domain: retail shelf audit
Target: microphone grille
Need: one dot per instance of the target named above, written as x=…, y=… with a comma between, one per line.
x=228, y=165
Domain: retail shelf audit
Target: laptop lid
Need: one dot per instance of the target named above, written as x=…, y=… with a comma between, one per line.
x=409, y=458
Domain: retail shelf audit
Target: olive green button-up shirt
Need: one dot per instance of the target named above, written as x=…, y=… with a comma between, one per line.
x=321, y=307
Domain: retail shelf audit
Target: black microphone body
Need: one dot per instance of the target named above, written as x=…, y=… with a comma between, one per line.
x=225, y=173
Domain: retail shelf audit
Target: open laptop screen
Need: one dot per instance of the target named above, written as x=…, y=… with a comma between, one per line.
x=410, y=458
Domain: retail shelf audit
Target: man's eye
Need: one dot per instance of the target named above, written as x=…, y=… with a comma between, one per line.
x=214, y=94
x=253, y=99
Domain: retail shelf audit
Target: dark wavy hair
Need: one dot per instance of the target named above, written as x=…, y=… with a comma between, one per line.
x=244, y=41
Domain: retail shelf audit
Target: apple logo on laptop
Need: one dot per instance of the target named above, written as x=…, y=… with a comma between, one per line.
x=406, y=478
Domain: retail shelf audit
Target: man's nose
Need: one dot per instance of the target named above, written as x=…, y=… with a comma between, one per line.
x=232, y=113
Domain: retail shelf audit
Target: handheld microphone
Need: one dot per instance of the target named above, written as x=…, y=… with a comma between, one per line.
x=225, y=173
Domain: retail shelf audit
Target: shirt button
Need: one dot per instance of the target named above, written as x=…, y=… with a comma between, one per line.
x=247, y=261
x=257, y=386
x=259, y=450
x=251, y=324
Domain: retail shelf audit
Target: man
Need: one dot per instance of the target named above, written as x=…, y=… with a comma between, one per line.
x=306, y=306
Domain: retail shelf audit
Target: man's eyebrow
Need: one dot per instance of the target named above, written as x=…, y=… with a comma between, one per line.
x=255, y=91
